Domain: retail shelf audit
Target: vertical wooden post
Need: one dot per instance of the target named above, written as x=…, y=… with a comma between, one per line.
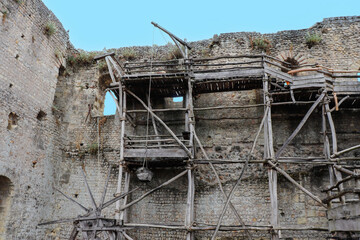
x=186, y=101
x=123, y=214
x=122, y=133
x=269, y=153
x=189, y=126
x=189, y=219
x=327, y=148
x=357, y=181
x=337, y=173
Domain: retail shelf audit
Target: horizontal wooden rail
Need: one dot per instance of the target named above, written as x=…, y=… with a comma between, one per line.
x=340, y=194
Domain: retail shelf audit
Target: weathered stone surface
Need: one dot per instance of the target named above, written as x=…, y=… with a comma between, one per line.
x=41, y=153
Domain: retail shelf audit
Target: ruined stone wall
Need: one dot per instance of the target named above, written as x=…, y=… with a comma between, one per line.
x=39, y=154
x=28, y=142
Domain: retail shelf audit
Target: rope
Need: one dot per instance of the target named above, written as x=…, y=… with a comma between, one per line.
x=145, y=163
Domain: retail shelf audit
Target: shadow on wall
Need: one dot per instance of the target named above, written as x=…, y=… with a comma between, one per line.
x=5, y=203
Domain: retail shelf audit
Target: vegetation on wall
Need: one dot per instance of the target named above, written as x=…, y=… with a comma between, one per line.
x=50, y=29
x=312, y=39
x=174, y=53
x=93, y=148
x=102, y=66
x=4, y=15
x=80, y=59
x=260, y=43
x=129, y=54
x=215, y=41
x=205, y=53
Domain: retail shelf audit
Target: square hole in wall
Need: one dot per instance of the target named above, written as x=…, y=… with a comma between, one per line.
x=174, y=102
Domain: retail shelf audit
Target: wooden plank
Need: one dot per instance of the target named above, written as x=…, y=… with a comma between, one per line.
x=312, y=76
x=278, y=74
x=228, y=74
x=347, y=83
x=345, y=225
x=177, y=153
x=350, y=210
x=98, y=57
x=309, y=81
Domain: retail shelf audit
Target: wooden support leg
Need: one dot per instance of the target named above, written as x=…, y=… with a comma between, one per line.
x=357, y=181
x=327, y=149
x=123, y=214
x=338, y=174
x=272, y=174
x=269, y=154
x=122, y=112
x=190, y=204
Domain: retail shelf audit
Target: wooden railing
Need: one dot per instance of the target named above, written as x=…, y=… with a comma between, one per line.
x=223, y=63
x=154, y=142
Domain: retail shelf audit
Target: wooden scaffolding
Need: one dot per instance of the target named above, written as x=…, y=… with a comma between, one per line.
x=279, y=83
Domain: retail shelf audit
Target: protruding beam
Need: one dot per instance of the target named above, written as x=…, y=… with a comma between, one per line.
x=171, y=35
x=99, y=57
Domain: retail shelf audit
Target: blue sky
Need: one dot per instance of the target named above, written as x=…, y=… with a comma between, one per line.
x=95, y=24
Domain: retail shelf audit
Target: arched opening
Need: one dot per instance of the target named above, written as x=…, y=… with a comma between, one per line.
x=109, y=105
x=5, y=202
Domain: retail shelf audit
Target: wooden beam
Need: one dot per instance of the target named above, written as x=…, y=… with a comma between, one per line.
x=154, y=190
x=105, y=189
x=220, y=184
x=74, y=201
x=174, y=153
x=189, y=216
x=345, y=151
x=171, y=35
x=240, y=177
x=301, y=124
x=340, y=194
x=269, y=154
x=337, y=174
x=110, y=69
x=89, y=190
x=287, y=176
x=101, y=56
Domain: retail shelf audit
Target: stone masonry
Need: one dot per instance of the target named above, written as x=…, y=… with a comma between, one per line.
x=47, y=133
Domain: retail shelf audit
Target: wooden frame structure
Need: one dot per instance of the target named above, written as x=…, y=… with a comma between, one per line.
x=229, y=74
x=186, y=77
